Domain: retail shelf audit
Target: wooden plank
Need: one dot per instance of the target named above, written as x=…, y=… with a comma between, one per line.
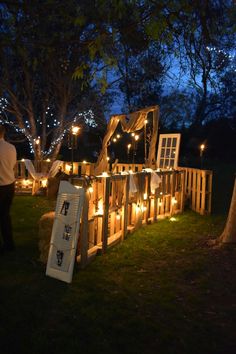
x=182, y=191
x=194, y=190
x=125, y=208
x=203, y=199
x=198, y=191
x=209, y=191
x=107, y=183
x=84, y=232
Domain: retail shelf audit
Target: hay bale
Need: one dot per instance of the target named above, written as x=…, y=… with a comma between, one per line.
x=53, y=184
x=45, y=231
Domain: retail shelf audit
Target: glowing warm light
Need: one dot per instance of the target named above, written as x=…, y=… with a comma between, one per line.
x=129, y=146
x=118, y=136
x=22, y=160
x=108, y=158
x=78, y=187
x=117, y=216
x=105, y=174
x=84, y=162
x=114, y=140
x=146, y=121
x=25, y=182
x=48, y=160
x=44, y=182
x=90, y=189
x=202, y=147
x=173, y=219
x=145, y=196
x=37, y=141
x=132, y=134
x=173, y=201
x=137, y=208
x=160, y=204
x=99, y=210
x=136, y=137
x=75, y=130
x=143, y=208
x=68, y=168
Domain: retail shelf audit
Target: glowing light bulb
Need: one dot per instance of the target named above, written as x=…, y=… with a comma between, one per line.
x=75, y=130
x=117, y=216
x=90, y=189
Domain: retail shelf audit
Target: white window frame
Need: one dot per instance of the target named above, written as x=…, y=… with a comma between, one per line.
x=165, y=158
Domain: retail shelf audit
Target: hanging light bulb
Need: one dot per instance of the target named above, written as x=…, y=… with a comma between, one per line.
x=118, y=215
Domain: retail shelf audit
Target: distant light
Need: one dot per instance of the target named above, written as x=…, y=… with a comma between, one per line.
x=136, y=137
x=84, y=161
x=173, y=219
x=48, y=160
x=68, y=168
x=75, y=130
x=202, y=147
x=44, y=182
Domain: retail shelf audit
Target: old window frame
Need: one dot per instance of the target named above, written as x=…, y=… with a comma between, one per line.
x=168, y=151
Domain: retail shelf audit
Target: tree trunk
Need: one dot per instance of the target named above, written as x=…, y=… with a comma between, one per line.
x=229, y=233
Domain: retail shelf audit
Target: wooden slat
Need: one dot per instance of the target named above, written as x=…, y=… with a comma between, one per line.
x=105, y=214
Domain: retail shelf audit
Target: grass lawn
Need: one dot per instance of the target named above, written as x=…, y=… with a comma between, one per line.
x=163, y=290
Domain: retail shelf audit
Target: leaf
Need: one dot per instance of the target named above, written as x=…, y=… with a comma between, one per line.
x=79, y=71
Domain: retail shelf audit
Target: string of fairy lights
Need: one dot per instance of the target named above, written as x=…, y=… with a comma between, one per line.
x=35, y=142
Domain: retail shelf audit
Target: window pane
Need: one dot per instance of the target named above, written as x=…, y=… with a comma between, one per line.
x=174, y=141
x=164, y=142
x=161, y=163
x=172, y=162
x=167, y=152
x=173, y=153
x=166, y=162
x=162, y=152
x=169, y=142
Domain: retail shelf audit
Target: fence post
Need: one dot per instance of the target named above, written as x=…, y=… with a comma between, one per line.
x=84, y=232
x=125, y=208
x=105, y=214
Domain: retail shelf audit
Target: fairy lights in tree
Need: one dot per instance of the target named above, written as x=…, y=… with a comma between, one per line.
x=50, y=124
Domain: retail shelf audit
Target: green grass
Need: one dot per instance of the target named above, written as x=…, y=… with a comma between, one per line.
x=161, y=291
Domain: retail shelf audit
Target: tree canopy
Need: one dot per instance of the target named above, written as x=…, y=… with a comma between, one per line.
x=61, y=61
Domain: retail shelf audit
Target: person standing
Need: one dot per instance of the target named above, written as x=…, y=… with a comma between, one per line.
x=7, y=190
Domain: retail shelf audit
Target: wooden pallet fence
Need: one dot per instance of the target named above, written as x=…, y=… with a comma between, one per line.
x=197, y=186
x=25, y=184
x=111, y=211
x=198, y=189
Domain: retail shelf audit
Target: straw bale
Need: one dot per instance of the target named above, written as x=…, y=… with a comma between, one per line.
x=45, y=230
